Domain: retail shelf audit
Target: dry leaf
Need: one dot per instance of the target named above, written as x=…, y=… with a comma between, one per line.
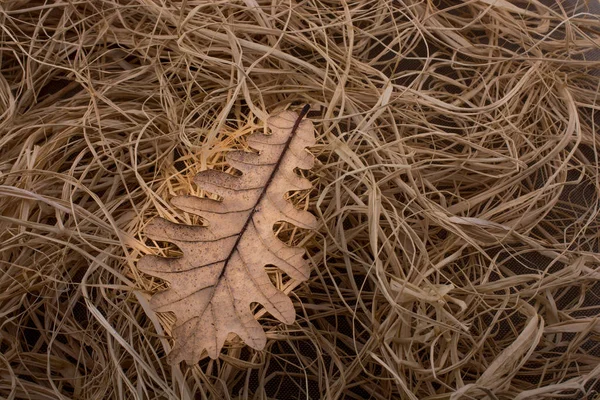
x=222, y=270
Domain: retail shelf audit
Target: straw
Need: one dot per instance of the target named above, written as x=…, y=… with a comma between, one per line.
x=457, y=189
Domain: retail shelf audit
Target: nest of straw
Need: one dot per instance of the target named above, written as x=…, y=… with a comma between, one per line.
x=457, y=188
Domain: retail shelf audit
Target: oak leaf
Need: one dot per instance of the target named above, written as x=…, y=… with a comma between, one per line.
x=222, y=270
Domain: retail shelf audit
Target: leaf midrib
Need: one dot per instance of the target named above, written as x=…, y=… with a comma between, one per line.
x=264, y=192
